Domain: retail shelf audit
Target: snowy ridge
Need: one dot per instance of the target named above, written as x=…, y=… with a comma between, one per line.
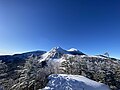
x=73, y=49
x=73, y=82
x=57, y=53
x=54, y=53
x=58, y=49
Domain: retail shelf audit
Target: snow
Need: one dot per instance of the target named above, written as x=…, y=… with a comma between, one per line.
x=58, y=49
x=73, y=49
x=73, y=82
x=93, y=56
x=44, y=57
x=53, y=54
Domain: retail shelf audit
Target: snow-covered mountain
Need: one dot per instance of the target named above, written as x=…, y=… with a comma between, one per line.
x=23, y=56
x=75, y=51
x=57, y=53
x=73, y=82
x=66, y=66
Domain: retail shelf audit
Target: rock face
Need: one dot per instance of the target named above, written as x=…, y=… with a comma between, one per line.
x=73, y=82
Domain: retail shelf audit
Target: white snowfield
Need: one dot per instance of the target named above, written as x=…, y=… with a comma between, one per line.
x=73, y=82
x=73, y=49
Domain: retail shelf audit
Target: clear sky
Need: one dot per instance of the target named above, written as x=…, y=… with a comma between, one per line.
x=92, y=26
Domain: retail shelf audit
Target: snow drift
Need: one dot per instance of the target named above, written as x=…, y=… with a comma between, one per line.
x=73, y=82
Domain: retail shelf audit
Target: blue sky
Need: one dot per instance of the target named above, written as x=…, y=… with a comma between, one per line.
x=92, y=26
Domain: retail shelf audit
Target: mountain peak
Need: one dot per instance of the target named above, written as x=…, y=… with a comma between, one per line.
x=73, y=49
x=57, y=49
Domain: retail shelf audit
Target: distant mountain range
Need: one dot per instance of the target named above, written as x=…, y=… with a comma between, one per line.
x=23, y=56
x=54, y=53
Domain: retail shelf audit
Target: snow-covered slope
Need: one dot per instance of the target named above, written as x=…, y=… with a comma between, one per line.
x=54, y=53
x=73, y=82
x=22, y=56
x=75, y=51
x=57, y=53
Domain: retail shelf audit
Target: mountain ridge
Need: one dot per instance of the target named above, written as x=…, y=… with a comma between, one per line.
x=55, y=52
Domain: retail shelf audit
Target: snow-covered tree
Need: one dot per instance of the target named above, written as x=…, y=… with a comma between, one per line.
x=33, y=75
x=28, y=75
x=3, y=74
x=73, y=65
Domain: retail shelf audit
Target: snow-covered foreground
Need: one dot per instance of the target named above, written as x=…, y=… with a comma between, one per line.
x=73, y=82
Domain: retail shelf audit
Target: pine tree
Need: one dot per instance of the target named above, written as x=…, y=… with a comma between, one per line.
x=33, y=75
x=28, y=75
